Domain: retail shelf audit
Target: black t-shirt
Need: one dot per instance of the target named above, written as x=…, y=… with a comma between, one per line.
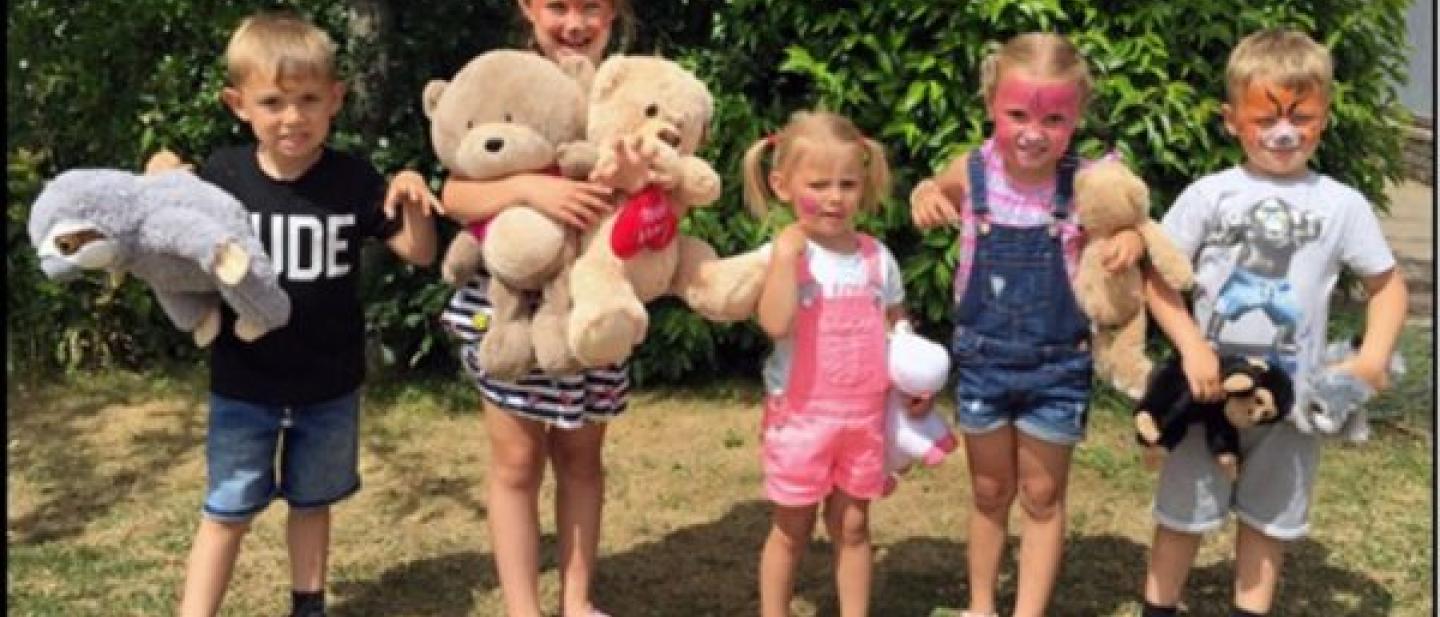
x=312, y=228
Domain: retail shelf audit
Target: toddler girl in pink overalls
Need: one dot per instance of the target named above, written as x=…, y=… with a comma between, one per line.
x=829, y=297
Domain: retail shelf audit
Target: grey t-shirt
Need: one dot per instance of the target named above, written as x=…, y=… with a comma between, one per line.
x=1267, y=253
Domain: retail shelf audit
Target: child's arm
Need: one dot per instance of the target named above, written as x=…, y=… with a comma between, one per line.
x=415, y=242
x=1197, y=359
x=778, y=297
x=575, y=203
x=1384, y=315
x=933, y=201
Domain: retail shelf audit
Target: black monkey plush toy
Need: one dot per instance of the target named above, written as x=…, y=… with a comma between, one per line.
x=1255, y=393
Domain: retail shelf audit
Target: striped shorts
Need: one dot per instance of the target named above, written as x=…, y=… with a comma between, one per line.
x=568, y=401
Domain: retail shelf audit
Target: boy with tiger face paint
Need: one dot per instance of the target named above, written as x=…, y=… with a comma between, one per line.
x=1268, y=238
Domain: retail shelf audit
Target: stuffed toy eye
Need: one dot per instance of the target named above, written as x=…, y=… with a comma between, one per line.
x=508, y=118
x=652, y=110
x=469, y=124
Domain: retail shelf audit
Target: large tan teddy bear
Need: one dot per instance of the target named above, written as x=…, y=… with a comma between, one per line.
x=636, y=254
x=1110, y=198
x=508, y=112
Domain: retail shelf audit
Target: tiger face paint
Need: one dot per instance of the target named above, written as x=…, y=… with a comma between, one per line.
x=1279, y=128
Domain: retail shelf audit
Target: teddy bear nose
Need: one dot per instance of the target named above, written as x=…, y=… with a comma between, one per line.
x=670, y=136
x=494, y=144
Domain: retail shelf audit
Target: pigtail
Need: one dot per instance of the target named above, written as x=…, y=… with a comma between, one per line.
x=989, y=70
x=877, y=174
x=752, y=167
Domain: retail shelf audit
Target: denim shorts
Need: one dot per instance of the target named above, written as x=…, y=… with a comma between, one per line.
x=1045, y=394
x=318, y=455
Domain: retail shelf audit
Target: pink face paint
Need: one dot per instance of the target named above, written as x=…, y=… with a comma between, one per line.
x=1034, y=119
x=808, y=206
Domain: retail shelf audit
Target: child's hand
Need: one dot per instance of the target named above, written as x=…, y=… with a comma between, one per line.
x=628, y=168
x=1202, y=371
x=1373, y=374
x=791, y=242
x=573, y=202
x=1122, y=250
x=918, y=406
x=930, y=208
x=408, y=188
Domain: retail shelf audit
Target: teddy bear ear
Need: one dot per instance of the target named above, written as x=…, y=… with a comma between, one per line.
x=431, y=97
x=608, y=76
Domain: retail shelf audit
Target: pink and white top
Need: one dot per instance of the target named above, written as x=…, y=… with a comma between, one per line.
x=1014, y=205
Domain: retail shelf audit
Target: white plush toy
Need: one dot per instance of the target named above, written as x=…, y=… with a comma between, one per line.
x=918, y=368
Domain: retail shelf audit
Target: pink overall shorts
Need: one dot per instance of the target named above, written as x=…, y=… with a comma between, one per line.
x=827, y=429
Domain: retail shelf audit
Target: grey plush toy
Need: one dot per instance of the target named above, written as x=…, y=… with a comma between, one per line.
x=1333, y=402
x=189, y=240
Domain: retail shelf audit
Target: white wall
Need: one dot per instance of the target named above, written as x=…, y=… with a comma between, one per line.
x=1419, y=94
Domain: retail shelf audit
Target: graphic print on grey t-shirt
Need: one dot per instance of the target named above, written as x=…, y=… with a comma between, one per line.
x=1268, y=234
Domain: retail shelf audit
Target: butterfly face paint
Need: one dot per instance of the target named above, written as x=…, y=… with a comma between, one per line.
x=1278, y=127
x=1034, y=120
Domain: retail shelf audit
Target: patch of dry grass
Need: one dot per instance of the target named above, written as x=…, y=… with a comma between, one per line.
x=106, y=474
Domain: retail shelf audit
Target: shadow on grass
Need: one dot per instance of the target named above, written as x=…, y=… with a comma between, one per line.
x=444, y=585
x=711, y=569
x=45, y=423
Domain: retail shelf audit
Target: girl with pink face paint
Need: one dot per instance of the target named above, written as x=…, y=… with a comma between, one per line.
x=1020, y=342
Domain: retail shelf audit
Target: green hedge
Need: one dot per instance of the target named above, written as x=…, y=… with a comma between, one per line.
x=104, y=83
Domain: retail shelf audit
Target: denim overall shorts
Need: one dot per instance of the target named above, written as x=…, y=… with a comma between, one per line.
x=1020, y=342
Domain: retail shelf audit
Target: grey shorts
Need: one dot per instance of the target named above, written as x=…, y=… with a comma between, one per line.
x=1271, y=495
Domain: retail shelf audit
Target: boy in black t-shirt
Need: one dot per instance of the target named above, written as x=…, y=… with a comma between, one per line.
x=296, y=389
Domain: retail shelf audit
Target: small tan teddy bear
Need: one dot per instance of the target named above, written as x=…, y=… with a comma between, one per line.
x=508, y=112
x=636, y=254
x=1110, y=198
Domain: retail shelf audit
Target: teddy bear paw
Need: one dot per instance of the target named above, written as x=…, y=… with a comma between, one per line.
x=605, y=338
x=552, y=351
x=505, y=352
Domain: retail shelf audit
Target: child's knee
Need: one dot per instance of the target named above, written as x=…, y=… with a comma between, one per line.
x=1041, y=500
x=517, y=473
x=992, y=496
x=849, y=528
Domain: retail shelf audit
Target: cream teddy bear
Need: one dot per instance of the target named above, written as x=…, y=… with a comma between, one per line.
x=636, y=254
x=1108, y=199
x=508, y=112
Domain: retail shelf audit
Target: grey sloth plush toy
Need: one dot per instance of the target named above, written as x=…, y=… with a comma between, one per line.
x=189, y=240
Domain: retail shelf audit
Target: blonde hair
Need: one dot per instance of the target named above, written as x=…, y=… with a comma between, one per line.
x=1045, y=54
x=807, y=130
x=1288, y=57
x=279, y=43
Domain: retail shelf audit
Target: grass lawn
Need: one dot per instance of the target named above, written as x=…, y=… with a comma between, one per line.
x=106, y=472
